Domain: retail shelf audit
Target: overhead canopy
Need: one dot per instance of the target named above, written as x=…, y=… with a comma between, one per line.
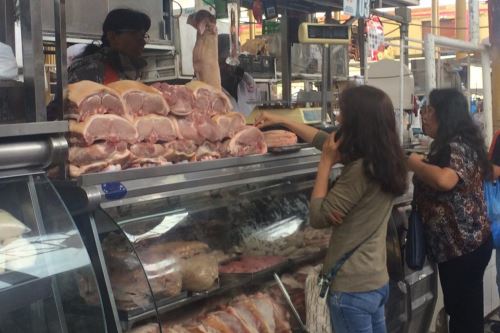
x=314, y=6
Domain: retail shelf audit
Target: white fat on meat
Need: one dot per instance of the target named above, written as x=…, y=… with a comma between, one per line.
x=146, y=154
x=225, y=322
x=180, y=150
x=98, y=152
x=245, y=318
x=279, y=138
x=205, y=51
x=153, y=128
x=209, y=100
x=248, y=141
x=230, y=123
x=264, y=301
x=87, y=98
x=265, y=311
x=77, y=171
x=208, y=151
x=179, y=98
x=102, y=127
x=248, y=309
x=140, y=99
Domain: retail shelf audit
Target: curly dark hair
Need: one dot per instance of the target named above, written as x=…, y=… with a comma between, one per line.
x=369, y=132
x=454, y=119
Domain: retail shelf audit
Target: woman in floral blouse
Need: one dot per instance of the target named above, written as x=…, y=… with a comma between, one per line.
x=449, y=195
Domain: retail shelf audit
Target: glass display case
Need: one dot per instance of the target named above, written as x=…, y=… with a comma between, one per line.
x=187, y=246
x=43, y=262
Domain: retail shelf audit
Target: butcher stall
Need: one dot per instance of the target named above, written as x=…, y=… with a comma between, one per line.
x=187, y=245
x=159, y=217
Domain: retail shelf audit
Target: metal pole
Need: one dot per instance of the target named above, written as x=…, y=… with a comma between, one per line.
x=324, y=84
x=362, y=47
x=7, y=16
x=402, y=53
x=286, y=63
x=474, y=21
x=435, y=17
x=430, y=63
x=461, y=23
x=33, y=60
x=487, y=95
x=61, y=59
x=494, y=23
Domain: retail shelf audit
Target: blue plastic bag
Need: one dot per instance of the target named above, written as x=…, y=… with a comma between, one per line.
x=492, y=196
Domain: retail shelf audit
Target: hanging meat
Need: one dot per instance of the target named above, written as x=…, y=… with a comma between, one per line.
x=179, y=98
x=87, y=98
x=205, y=51
x=140, y=99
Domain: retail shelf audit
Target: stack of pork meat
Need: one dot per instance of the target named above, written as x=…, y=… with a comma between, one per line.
x=128, y=124
x=245, y=314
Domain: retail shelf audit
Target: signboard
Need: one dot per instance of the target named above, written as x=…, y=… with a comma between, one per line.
x=357, y=8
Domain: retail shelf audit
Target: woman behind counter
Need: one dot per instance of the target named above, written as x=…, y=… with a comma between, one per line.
x=119, y=57
x=449, y=195
x=359, y=205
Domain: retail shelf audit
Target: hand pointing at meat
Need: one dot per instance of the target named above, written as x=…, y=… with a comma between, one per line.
x=267, y=119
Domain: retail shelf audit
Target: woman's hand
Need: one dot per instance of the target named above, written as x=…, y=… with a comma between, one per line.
x=414, y=159
x=330, y=154
x=266, y=119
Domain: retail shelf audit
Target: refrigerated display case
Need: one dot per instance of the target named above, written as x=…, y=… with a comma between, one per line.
x=42, y=256
x=176, y=243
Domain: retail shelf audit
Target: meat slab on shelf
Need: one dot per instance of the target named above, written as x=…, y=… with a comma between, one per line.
x=87, y=98
x=179, y=98
x=140, y=99
x=279, y=138
x=102, y=127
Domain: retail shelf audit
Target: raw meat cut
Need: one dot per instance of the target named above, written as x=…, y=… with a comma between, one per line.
x=140, y=99
x=245, y=318
x=186, y=128
x=149, y=328
x=208, y=99
x=86, y=98
x=265, y=311
x=154, y=128
x=208, y=129
x=97, y=157
x=77, y=171
x=200, y=272
x=230, y=123
x=225, y=322
x=147, y=154
x=208, y=151
x=248, y=141
x=179, y=249
x=130, y=287
x=106, y=127
x=99, y=152
x=179, y=98
x=279, y=138
x=248, y=309
x=205, y=51
x=251, y=264
x=180, y=150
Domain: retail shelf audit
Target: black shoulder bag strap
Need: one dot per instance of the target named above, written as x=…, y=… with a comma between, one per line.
x=326, y=279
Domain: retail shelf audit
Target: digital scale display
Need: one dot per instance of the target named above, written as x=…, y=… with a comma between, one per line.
x=327, y=32
x=314, y=33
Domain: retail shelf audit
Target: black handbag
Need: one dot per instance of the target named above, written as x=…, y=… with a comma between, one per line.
x=415, y=241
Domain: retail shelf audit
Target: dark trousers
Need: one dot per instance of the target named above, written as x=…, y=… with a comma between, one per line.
x=462, y=284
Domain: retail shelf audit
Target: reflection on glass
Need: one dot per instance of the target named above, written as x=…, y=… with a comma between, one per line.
x=167, y=223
